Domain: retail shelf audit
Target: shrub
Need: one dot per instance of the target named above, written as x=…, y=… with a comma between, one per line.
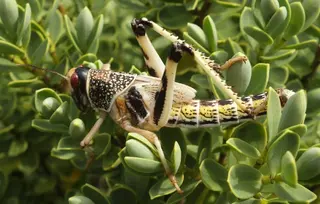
x=272, y=160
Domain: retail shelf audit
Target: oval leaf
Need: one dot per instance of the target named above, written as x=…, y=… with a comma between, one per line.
x=168, y=16
x=143, y=165
x=289, y=169
x=288, y=141
x=244, y=181
x=294, y=111
x=214, y=175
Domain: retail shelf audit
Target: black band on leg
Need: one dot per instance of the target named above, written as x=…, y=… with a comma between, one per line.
x=177, y=49
x=139, y=26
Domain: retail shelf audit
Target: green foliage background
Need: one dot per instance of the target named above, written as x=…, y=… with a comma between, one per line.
x=276, y=160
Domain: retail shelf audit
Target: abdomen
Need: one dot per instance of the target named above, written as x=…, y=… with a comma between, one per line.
x=209, y=113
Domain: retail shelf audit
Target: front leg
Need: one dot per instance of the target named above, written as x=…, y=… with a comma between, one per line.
x=152, y=137
x=164, y=97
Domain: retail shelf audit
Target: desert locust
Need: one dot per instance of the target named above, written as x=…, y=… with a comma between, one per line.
x=144, y=104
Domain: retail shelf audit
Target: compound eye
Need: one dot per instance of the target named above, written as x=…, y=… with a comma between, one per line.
x=74, y=80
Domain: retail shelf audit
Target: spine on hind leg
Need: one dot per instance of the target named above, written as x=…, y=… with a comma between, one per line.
x=210, y=113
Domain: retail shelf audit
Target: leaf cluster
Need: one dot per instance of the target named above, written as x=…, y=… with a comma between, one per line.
x=274, y=159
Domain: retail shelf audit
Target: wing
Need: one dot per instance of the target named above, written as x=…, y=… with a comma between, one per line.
x=149, y=86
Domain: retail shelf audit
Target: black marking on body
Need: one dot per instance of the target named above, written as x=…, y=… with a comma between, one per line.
x=139, y=26
x=172, y=121
x=209, y=122
x=135, y=105
x=246, y=99
x=144, y=54
x=259, y=96
x=160, y=98
x=225, y=102
x=177, y=49
x=192, y=123
x=151, y=71
x=105, y=85
x=225, y=120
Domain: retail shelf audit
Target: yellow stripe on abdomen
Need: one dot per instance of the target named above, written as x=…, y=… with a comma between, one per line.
x=215, y=112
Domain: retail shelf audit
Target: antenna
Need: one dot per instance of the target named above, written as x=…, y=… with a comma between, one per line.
x=46, y=70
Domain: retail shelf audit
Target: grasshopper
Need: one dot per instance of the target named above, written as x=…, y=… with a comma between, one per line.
x=144, y=104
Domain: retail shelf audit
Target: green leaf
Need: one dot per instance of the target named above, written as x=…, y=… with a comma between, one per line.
x=164, y=187
x=29, y=162
x=278, y=55
x=308, y=164
x=250, y=201
x=80, y=200
x=142, y=140
x=138, y=149
x=168, y=138
x=40, y=52
x=288, y=141
x=268, y=8
x=17, y=147
x=89, y=57
x=49, y=105
x=8, y=66
x=95, y=34
x=245, y=131
x=3, y=183
x=77, y=128
x=247, y=19
x=60, y=115
x=276, y=24
x=294, y=111
x=239, y=75
x=9, y=15
x=273, y=113
x=143, y=165
x=259, y=35
x=123, y=194
x=297, y=194
x=243, y=148
x=259, y=79
x=279, y=75
x=10, y=49
x=167, y=15
x=23, y=26
x=213, y=175
x=313, y=98
x=201, y=80
x=305, y=44
x=244, y=181
x=84, y=26
x=176, y=157
x=187, y=187
x=134, y=5
x=197, y=34
x=211, y=33
x=289, y=169
x=45, y=126
x=71, y=31
x=297, y=20
x=312, y=11
x=55, y=25
x=101, y=145
x=41, y=95
x=94, y=194
x=194, y=43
